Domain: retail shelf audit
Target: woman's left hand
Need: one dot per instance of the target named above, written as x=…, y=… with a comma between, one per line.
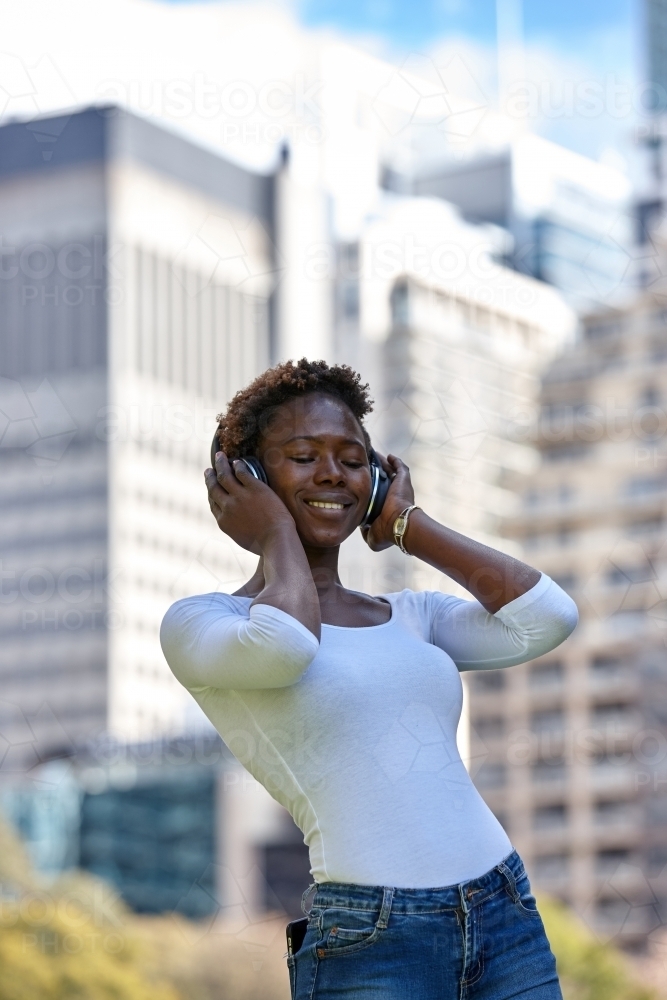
x=379, y=535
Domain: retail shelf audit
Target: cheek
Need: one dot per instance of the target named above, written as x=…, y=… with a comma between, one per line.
x=286, y=479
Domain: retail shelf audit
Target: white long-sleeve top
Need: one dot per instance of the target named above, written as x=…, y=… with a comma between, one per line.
x=356, y=735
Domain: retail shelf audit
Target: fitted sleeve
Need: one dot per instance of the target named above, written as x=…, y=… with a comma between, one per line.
x=527, y=627
x=208, y=644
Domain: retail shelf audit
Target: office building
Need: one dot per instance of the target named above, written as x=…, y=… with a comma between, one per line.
x=457, y=344
x=655, y=45
x=574, y=745
x=173, y=825
x=134, y=298
x=570, y=218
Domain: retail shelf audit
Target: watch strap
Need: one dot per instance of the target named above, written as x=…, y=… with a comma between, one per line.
x=401, y=526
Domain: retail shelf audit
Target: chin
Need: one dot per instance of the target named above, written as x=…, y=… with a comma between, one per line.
x=324, y=540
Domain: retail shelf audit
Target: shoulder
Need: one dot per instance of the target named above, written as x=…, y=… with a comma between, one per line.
x=420, y=608
x=422, y=602
x=200, y=607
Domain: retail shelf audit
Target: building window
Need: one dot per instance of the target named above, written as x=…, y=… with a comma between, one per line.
x=551, y=866
x=657, y=859
x=400, y=304
x=604, y=328
x=608, y=668
x=549, y=771
x=550, y=817
x=613, y=714
x=645, y=525
x=646, y=486
x=608, y=861
x=489, y=680
x=614, y=812
x=491, y=776
x=566, y=581
x=491, y=727
x=549, y=674
x=550, y=721
x=631, y=574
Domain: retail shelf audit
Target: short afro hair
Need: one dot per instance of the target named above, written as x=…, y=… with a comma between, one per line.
x=249, y=412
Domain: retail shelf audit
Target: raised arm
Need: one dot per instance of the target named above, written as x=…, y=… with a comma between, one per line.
x=256, y=518
x=208, y=643
x=492, y=577
x=529, y=626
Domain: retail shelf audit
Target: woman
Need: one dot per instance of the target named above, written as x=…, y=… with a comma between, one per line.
x=345, y=706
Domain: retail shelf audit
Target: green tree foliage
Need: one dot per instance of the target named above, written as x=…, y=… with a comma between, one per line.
x=588, y=969
x=71, y=940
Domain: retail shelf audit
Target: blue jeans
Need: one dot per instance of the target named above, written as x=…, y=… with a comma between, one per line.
x=482, y=939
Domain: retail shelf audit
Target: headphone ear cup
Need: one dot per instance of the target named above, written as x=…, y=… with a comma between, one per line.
x=381, y=489
x=215, y=447
x=255, y=467
x=253, y=463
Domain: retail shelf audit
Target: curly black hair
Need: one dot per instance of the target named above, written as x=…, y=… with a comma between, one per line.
x=250, y=411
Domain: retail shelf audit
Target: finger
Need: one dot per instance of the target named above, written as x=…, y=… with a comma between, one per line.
x=242, y=472
x=384, y=463
x=398, y=465
x=224, y=472
x=214, y=489
x=215, y=507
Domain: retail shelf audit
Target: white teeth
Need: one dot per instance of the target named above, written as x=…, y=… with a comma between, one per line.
x=328, y=506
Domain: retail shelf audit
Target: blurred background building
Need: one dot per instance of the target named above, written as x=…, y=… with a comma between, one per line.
x=573, y=747
x=570, y=219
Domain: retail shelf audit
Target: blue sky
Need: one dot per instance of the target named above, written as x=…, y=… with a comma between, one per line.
x=573, y=40
x=404, y=25
x=420, y=22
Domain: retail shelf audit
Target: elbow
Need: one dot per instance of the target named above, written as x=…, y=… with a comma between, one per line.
x=560, y=626
x=566, y=621
x=284, y=672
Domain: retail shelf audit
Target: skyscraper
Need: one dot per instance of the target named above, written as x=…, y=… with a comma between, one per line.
x=134, y=294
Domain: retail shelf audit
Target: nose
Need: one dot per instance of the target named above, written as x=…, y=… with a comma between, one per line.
x=330, y=472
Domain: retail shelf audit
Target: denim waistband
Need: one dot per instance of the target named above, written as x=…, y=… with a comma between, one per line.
x=464, y=896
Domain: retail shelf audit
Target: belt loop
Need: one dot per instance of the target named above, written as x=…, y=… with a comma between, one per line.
x=303, y=898
x=504, y=870
x=387, y=897
x=465, y=902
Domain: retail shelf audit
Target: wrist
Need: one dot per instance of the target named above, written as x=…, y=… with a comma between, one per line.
x=401, y=525
x=277, y=534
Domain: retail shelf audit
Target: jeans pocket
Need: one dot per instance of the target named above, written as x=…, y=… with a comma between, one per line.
x=345, y=931
x=525, y=900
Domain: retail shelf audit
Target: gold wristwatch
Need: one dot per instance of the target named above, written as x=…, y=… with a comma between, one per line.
x=401, y=526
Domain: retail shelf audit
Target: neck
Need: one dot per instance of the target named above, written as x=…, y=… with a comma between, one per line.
x=323, y=566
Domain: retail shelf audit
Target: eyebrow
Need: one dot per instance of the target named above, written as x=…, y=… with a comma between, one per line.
x=319, y=440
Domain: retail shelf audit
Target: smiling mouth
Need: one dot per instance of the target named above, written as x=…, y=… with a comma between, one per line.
x=327, y=504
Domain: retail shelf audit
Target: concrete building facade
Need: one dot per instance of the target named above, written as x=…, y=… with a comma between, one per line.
x=135, y=300
x=573, y=747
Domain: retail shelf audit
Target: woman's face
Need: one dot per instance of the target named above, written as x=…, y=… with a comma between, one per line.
x=314, y=454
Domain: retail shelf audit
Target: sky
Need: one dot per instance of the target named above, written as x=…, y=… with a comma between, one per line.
x=566, y=43
x=568, y=70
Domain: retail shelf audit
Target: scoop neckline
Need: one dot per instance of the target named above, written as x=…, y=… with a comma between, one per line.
x=362, y=628
x=349, y=628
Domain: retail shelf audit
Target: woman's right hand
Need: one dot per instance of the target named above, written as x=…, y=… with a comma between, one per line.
x=246, y=509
